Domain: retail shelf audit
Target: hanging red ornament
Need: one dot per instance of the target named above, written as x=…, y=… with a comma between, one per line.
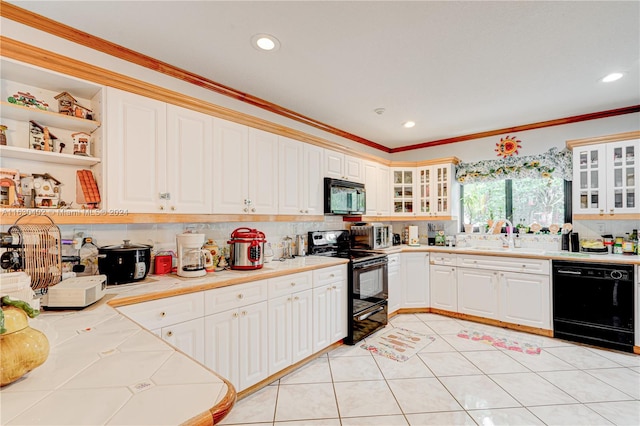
x=508, y=146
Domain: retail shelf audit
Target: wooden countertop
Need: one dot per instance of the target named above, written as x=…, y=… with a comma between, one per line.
x=105, y=369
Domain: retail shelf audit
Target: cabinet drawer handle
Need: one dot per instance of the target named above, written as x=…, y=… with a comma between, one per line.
x=524, y=266
x=169, y=333
x=163, y=314
x=334, y=287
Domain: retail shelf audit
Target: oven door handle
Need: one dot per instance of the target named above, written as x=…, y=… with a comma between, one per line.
x=368, y=314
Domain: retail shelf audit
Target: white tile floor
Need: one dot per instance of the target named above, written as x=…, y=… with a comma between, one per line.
x=453, y=381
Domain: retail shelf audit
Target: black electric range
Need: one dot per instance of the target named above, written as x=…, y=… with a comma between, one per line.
x=368, y=282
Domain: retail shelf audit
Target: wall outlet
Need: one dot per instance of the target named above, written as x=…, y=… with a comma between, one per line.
x=601, y=228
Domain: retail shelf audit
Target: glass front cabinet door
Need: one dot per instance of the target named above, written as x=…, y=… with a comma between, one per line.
x=622, y=177
x=605, y=178
x=402, y=186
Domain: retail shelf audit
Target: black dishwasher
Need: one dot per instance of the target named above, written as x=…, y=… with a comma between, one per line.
x=593, y=303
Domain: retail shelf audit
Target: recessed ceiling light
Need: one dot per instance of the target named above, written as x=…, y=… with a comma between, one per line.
x=265, y=42
x=612, y=77
x=409, y=124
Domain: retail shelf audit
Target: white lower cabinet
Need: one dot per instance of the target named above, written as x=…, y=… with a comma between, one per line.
x=290, y=320
x=395, y=283
x=236, y=332
x=443, y=283
x=513, y=290
x=329, y=306
x=415, y=274
x=525, y=299
x=187, y=336
x=177, y=320
x=478, y=292
x=236, y=344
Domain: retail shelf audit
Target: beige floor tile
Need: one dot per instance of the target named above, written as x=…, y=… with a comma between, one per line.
x=505, y=417
x=306, y=402
x=259, y=407
x=478, y=392
x=619, y=413
x=531, y=389
x=447, y=418
x=491, y=362
x=411, y=368
x=582, y=358
x=370, y=398
x=422, y=395
x=623, y=379
x=584, y=387
x=569, y=415
x=448, y=364
x=375, y=421
x=344, y=369
x=316, y=371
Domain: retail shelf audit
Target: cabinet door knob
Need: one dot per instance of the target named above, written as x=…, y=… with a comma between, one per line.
x=173, y=208
x=240, y=296
x=293, y=284
x=331, y=275
x=246, y=210
x=601, y=212
x=244, y=313
x=235, y=315
x=169, y=333
x=301, y=211
x=334, y=287
x=253, y=210
x=296, y=298
x=161, y=207
x=611, y=212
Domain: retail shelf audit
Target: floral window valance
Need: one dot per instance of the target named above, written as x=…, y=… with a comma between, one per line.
x=553, y=163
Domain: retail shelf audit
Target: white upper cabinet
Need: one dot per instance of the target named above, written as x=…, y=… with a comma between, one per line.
x=158, y=156
x=231, y=162
x=605, y=178
x=403, y=191
x=189, y=150
x=342, y=166
x=136, y=144
x=436, y=190
x=376, y=185
x=300, y=178
x=245, y=168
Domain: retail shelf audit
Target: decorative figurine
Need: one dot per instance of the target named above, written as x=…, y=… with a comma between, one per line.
x=66, y=103
x=3, y=135
x=81, y=143
x=28, y=100
x=38, y=137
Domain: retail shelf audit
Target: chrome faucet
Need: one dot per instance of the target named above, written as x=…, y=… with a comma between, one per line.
x=507, y=241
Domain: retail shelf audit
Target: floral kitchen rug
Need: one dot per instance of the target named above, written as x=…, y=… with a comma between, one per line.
x=398, y=344
x=500, y=342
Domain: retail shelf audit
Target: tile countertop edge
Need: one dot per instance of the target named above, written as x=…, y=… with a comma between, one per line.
x=258, y=274
x=550, y=255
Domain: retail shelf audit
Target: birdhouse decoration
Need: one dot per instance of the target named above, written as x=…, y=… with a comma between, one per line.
x=40, y=138
x=47, y=191
x=66, y=103
x=10, y=195
x=81, y=143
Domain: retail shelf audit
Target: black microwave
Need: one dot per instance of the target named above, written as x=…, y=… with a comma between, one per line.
x=342, y=197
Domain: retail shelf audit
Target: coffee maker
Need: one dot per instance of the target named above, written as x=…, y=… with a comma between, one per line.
x=192, y=258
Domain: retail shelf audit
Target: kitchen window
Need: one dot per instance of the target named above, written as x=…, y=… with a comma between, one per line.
x=523, y=201
x=522, y=189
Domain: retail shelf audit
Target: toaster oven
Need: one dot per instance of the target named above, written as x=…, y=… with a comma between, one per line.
x=371, y=237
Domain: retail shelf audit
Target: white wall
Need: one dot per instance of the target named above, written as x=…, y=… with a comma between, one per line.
x=532, y=141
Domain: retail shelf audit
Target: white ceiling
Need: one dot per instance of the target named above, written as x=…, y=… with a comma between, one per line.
x=454, y=68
